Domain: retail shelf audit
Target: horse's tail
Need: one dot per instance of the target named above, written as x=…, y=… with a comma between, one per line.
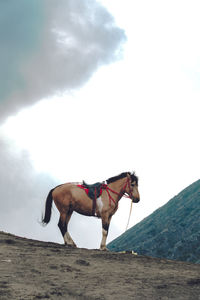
x=48, y=206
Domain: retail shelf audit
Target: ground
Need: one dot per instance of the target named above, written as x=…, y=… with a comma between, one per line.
x=39, y=270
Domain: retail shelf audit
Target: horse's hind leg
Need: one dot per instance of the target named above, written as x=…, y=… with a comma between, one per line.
x=63, y=225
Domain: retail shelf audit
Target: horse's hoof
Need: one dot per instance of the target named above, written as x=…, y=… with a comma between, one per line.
x=104, y=249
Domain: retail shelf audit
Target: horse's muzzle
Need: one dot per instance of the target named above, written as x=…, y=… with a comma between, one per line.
x=135, y=200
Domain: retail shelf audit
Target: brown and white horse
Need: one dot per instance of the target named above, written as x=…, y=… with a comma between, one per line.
x=71, y=197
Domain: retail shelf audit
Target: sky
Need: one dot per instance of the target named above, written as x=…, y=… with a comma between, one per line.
x=89, y=90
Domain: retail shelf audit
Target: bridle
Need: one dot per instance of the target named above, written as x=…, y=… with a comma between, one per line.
x=122, y=193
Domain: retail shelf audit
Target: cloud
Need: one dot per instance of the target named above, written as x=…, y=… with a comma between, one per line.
x=21, y=189
x=50, y=46
x=46, y=47
x=20, y=24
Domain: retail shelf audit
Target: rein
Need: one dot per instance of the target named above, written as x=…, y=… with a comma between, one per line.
x=116, y=193
x=119, y=194
x=129, y=215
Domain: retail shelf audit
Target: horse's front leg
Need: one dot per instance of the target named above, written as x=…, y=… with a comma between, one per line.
x=105, y=226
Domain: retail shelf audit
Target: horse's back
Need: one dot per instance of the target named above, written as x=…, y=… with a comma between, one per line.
x=63, y=189
x=71, y=195
x=68, y=190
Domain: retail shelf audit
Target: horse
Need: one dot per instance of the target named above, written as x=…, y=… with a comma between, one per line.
x=69, y=197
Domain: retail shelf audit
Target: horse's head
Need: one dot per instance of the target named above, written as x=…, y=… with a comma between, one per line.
x=132, y=187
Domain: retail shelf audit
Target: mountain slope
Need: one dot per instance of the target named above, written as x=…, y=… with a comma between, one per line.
x=172, y=231
x=33, y=270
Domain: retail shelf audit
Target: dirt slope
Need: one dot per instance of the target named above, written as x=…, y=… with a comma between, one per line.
x=38, y=270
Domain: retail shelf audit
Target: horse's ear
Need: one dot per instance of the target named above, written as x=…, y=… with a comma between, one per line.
x=129, y=175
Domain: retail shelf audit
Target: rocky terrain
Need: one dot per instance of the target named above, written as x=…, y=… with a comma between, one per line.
x=39, y=270
x=172, y=231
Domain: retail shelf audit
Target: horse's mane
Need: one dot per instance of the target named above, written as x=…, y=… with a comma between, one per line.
x=122, y=175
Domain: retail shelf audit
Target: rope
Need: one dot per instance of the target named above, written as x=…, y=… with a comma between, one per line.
x=129, y=215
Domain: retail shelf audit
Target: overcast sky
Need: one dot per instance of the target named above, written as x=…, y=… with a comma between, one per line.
x=89, y=91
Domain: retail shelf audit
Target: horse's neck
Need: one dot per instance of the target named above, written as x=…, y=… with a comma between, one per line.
x=118, y=186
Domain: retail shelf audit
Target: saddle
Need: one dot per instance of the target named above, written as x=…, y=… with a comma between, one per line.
x=93, y=191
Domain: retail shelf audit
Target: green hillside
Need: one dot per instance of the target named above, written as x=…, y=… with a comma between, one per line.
x=172, y=231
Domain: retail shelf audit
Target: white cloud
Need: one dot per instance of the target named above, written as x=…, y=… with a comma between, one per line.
x=74, y=39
